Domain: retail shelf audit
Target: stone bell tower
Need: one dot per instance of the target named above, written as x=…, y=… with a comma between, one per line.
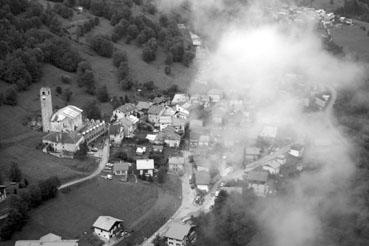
x=46, y=108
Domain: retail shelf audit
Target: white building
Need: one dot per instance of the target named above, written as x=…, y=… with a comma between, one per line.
x=107, y=227
x=48, y=240
x=179, y=234
x=66, y=119
x=145, y=167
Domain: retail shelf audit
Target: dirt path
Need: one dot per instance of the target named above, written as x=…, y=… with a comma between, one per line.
x=103, y=161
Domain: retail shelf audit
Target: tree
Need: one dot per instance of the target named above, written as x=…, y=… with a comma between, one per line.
x=169, y=59
x=132, y=31
x=15, y=174
x=159, y=241
x=167, y=70
x=162, y=174
x=58, y=90
x=92, y=110
x=102, y=45
x=118, y=57
x=149, y=85
x=123, y=70
x=187, y=58
x=67, y=94
x=1, y=179
x=126, y=84
x=148, y=54
x=10, y=97
x=102, y=94
x=35, y=196
x=81, y=153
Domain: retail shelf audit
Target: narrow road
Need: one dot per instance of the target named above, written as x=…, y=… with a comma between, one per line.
x=104, y=159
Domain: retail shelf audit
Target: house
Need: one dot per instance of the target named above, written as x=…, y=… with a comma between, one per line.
x=107, y=227
x=67, y=119
x=273, y=166
x=48, y=240
x=116, y=134
x=180, y=99
x=165, y=119
x=215, y=95
x=296, y=150
x=179, y=234
x=157, y=148
x=128, y=126
x=92, y=130
x=203, y=180
x=182, y=112
x=123, y=111
x=196, y=41
x=121, y=169
x=154, y=114
x=204, y=141
x=162, y=100
x=179, y=124
x=176, y=163
x=62, y=144
x=145, y=167
x=143, y=106
x=269, y=132
x=252, y=153
x=2, y=192
x=140, y=150
x=169, y=137
x=151, y=137
x=258, y=181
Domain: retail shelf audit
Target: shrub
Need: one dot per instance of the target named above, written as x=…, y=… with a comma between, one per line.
x=123, y=70
x=102, y=94
x=58, y=90
x=118, y=57
x=65, y=79
x=126, y=84
x=132, y=31
x=11, y=97
x=148, y=54
x=102, y=45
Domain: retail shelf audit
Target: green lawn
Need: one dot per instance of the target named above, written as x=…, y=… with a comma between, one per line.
x=142, y=206
x=36, y=165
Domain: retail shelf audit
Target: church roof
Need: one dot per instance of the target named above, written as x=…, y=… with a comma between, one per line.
x=63, y=137
x=69, y=111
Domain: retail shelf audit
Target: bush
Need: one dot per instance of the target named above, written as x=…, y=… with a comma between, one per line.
x=132, y=31
x=118, y=57
x=187, y=58
x=58, y=90
x=11, y=97
x=123, y=70
x=92, y=111
x=148, y=54
x=126, y=84
x=102, y=45
x=65, y=79
x=63, y=10
x=102, y=94
x=167, y=70
x=67, y=94
x=149, y=85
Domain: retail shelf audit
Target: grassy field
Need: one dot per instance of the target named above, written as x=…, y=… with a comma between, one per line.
x=141, y=206
x=36, y=165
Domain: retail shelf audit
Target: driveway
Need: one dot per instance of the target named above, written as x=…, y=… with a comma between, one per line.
x=104, y=159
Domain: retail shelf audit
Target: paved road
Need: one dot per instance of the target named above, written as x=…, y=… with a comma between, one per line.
x=104, y=159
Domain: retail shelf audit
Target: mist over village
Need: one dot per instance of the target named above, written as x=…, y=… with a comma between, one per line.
x=184, y=122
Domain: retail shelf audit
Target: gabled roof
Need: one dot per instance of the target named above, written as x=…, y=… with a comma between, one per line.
x=69, y=111
x=105, y=222
x=144, y=164
x=257, y=176
x=158, y=100
x=121, y=166
x=115, y=129
x=202, y=178
x=156, y=109
x=168, y=133
x=180, y=98
x=50, y=238
x=143, y=105
x=178, y=160
x=63, y=137
x=177, y=231
x=126, y=108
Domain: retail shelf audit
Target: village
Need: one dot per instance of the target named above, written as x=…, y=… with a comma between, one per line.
x=192, y=136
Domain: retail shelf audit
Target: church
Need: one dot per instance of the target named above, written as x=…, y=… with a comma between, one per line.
x=66, y=127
